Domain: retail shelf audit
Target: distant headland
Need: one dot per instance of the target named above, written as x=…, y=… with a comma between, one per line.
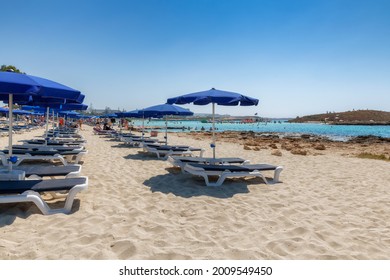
x=355, y=117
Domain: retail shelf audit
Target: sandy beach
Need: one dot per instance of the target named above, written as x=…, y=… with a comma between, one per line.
x=330, y=205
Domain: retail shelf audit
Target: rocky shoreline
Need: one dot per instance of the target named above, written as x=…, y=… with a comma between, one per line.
x=303, y=144
x=360, y=123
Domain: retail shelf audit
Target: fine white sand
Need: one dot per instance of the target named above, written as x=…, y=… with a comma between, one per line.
x=138, y=207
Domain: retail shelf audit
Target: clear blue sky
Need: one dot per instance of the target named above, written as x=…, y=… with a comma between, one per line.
x=297, y=57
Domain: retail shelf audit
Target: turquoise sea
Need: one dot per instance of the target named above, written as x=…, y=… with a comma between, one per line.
x=335, y=132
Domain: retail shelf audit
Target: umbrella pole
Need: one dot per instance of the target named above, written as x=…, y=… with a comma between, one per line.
x=53, y=122
x=47, y=125
x=213, y=143
x=10, y=131
x=143, y=126
x=166, y=130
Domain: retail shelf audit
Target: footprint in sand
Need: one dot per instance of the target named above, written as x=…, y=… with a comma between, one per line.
x=124, y=249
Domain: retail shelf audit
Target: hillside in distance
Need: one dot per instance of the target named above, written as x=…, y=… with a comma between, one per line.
x=368, y=117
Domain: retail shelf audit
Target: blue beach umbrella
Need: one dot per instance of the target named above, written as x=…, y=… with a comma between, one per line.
x=21, y=112
x=15, y=111
x=138, y=114
x=19, y=85
x=120, y=114
x=70, y=114
x=38, y=109
x=4, y=110
x=109, y=116
x=53, y=105
x=30, y=108
x=214, y=96
x=40, y=101
x=22, y=84
x=62, y=107
x=80, y=116
x=133, y=114
x=130, y=114
x=25, y=87
x=165, y=110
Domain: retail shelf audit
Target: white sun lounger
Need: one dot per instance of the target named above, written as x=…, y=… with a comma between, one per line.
x=138, y=141
x=51, y=141
x=165, y=151
x=179, y=161
x=37, y=171
x=64, y=157
x=30, y=191
x=230, y=171
x=29, y=157
x=38, y=147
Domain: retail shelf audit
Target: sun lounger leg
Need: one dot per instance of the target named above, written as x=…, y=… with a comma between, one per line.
x=4, y=160
x=31, y=196
x=277, y=173
x=68, y=158
x=219, y=182
x=70, y=198
x=167, y=155
x=262, y=177
x=207, y=181
x=79, y=156
x=63, y=160
x=225, y=175
x=37, y=199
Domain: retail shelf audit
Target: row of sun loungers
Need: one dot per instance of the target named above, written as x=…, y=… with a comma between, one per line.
x=56, y=141
x=138, y=141
x=63, y=154
x=17, y=129
x=185, y=158
x=37, y=179
x=99, y=131
x=164, y=151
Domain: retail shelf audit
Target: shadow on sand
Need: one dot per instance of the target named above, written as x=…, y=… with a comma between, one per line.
x=186, y=185
x=23, y=210
x=141, y=156
x=122, y=145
